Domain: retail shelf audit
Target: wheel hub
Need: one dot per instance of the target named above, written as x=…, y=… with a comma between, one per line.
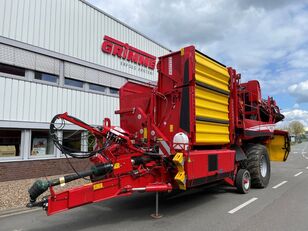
x=246, y=181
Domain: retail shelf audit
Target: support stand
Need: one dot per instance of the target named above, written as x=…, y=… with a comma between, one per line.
x=156, y=215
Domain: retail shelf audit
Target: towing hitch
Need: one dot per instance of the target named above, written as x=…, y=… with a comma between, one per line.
x=41, y=186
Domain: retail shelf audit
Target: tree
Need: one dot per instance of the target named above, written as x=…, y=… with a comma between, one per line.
x=296, y=128
x=284, y=127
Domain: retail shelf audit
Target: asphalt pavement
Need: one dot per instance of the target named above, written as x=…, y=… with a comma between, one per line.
x=283, y=205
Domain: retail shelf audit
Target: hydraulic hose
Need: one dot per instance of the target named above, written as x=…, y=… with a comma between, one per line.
x=41, y=186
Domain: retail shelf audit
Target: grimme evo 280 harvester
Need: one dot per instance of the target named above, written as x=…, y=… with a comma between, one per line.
x=199, y=125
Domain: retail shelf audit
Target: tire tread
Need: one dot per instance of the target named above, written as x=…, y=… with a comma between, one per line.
x=253, y=154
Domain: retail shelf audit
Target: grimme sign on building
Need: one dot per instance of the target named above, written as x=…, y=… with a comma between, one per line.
x=130, y=56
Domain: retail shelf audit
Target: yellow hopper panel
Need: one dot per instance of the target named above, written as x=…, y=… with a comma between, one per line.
x=211, y=101
x=279, y=147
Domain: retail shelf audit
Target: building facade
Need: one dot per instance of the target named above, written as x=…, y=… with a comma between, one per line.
x=61, y=56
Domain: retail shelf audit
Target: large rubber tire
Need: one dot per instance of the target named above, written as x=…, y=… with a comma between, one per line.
x=258, y=165
x=243, y=181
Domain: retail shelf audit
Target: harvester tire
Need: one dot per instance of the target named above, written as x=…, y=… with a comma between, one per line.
x=243, y=181
x=258, y=165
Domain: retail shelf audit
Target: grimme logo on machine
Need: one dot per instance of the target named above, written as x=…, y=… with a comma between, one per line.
x=127, y=52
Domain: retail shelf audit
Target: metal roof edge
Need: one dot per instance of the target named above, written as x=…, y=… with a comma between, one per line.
x=124, y=24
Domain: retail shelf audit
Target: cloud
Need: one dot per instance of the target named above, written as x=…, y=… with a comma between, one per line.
x=273, y=4
x=296, y=106
x=295, y=115
x=299, y=58
x=300, y=91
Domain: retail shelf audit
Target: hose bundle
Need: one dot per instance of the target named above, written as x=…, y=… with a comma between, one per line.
x=56, y=128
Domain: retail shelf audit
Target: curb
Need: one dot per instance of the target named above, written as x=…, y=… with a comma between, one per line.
x=16, y=211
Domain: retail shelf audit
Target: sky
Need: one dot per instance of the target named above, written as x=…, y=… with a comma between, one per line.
x=265, y=40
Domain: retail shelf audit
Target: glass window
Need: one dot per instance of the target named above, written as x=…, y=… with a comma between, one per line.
x=8, y=69
x=46, y=77
x=95, y=87
x=73, y=83
x=72, y=140
x=41, y=143
x=114, y=91
x=10, y=143
x=88, y=141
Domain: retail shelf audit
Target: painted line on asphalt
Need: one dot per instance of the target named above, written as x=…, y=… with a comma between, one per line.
x=242, y=205
x=297, y=174
x=303, y=155
x=307, y=167
x=295, y=152
x=278, y=185
x=18, y=213
x=304, y=152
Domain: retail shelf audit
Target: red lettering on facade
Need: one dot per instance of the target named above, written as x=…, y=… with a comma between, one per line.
x=127, y=52
x=126, y=48
x=107, y=47
x=132, y=56
x=117, y=50
x=152, y=64
x=144, y=61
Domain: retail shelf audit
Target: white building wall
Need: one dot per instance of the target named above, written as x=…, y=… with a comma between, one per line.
x=27, y=101
x=73, y=28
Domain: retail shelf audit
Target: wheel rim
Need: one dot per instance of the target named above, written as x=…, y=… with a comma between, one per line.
x=263, y=166
x=246, y=180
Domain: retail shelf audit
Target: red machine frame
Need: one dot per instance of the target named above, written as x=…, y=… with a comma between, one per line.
x=143, y=154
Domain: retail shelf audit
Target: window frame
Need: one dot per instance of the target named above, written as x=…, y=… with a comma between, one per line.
x=74, y=87
x=46, y=81
x=112, y=89
x=97, y=91
x=62, y=135
x=21, y=151
x=46, y=156
x=13, y=66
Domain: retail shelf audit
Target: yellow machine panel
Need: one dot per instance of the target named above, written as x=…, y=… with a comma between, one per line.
x=212, y=133
x=211, y=101
x=211, y=104
x=278, y=148
x=211, y=73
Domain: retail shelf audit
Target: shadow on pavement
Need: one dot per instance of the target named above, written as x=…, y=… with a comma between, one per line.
x=136, y=208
